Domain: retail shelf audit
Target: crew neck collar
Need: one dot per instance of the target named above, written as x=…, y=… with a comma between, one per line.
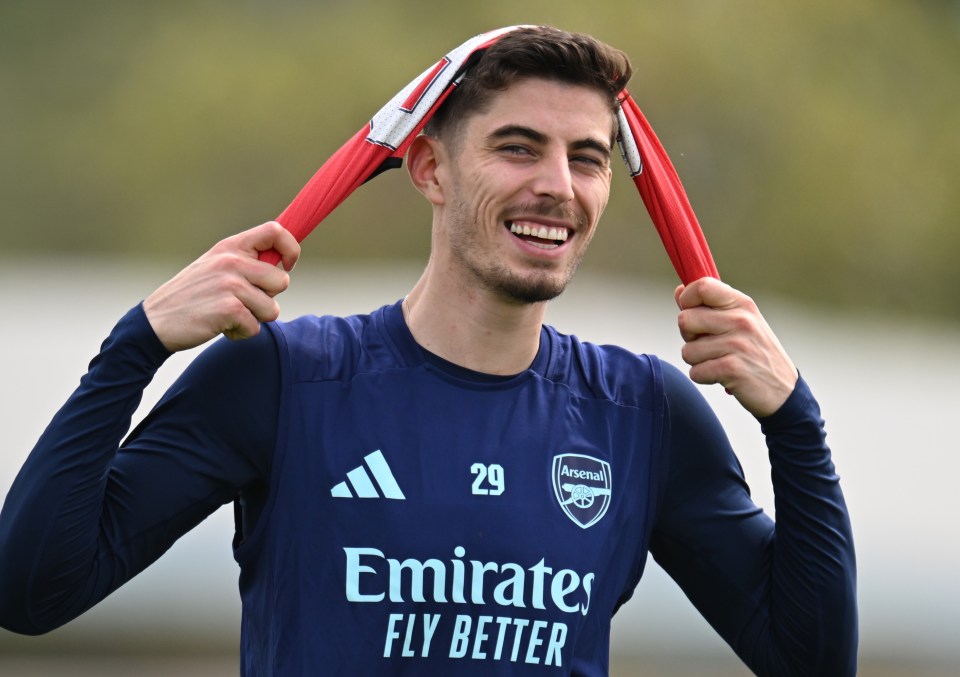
x=413, y=353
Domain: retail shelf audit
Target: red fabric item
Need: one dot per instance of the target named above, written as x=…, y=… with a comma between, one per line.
x=365, y=154
x=331, y=184
x=666, y=201
x=383, y=142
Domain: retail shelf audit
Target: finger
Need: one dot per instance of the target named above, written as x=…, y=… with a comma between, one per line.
x=699, y=321
x=287, y=246
x=271, y=235
x=716, y=371
x=242, y=315
x=237, y=258
x=708, y=291
x=269, y=279
x=259, y=304
x=676, y=295
x=704, y=349
x=245, y=325
x=240, y=294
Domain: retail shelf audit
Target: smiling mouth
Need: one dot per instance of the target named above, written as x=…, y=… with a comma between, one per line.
x=539, y=235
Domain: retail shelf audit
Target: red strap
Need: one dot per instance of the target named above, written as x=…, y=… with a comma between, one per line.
x=331, y=184
x=359, y=159
x=667, y=202
x=355, y=162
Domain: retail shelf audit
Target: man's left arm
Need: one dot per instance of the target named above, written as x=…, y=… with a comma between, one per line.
x=782, y=594
x=728, y=342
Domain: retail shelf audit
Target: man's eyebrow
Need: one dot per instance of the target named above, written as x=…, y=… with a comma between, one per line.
x=593, y=144
x=539, y=137
x=517, y=130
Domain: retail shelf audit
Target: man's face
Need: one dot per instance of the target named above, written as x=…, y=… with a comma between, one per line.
x=529, y=180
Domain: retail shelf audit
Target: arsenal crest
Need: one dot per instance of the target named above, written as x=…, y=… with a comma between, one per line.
x=582, y=487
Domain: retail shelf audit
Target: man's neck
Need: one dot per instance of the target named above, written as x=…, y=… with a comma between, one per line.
x=473, y=327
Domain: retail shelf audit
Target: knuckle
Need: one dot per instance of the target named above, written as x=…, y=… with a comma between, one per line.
x=271, y=229
x=226, y=261
x=271, y=313
x=232, y=308
x=738, y=344
x=742, y=321
x=232, y=286
x=726, y=365
x=234, y=260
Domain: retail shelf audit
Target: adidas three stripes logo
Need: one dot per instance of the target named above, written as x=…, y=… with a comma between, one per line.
x=363, y=486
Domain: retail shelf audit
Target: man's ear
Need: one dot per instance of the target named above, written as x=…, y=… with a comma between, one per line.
x=426, y=164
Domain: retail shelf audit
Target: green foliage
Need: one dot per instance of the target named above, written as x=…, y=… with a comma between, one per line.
x=818, y=141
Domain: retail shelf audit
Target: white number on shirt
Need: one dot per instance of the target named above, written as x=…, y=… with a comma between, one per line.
x=489, y=480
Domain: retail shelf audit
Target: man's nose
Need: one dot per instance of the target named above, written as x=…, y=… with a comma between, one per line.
x=553, y=178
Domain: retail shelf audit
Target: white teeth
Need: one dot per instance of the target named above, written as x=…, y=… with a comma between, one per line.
x=544, y=233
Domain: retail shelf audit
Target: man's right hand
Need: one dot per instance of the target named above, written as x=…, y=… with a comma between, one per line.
x=226, y=291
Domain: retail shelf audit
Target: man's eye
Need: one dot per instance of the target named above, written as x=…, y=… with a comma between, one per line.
x=588, y=160
x=514, y=150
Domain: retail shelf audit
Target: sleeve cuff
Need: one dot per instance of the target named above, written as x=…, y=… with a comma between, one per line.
x=134, y=329
x=800, y=407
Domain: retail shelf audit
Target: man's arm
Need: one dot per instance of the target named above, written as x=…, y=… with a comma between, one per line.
x=728, y=342
x=84, y=514
x=226, y=291
x=783, y=595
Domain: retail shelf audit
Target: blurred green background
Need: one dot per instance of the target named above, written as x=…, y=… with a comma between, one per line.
x=818, y=141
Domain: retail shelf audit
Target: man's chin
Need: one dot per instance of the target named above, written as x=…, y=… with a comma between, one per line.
x=530, y=291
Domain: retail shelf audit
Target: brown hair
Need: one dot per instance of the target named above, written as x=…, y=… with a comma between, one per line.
x=533, y=52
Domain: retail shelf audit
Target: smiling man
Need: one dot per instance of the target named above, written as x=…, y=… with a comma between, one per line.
x=447, y=485
x=517, y=192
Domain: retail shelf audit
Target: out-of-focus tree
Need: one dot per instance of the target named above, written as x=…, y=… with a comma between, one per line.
x=818, y=141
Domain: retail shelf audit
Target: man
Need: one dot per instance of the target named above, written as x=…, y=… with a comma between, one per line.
x=446, y=485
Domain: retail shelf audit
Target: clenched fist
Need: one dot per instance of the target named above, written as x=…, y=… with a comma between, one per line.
x=226, y=291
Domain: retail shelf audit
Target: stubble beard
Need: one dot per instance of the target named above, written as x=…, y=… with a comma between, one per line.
x=540, y=283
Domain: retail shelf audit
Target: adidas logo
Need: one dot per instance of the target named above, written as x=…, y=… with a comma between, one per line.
x=362, y=485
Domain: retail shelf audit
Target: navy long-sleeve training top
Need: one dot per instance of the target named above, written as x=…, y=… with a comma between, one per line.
x=397, y=514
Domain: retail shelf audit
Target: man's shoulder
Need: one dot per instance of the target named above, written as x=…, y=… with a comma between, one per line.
x=605, y=371
x=322, y=347
x=307, y=328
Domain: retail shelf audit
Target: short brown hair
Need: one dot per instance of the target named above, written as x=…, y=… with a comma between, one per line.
x=533, y=52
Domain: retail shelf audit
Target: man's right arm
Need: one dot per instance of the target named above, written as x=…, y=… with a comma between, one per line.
x=226, y=291
x=85, y=514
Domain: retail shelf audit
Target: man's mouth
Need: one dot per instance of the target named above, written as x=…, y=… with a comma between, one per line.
x=539, y=235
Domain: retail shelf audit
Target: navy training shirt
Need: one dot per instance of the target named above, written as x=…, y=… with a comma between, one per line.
x=398, y=514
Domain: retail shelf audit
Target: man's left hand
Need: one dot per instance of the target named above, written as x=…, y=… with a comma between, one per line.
x=728, y=342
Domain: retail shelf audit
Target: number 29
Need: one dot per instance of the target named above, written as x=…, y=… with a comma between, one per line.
x=489, y=479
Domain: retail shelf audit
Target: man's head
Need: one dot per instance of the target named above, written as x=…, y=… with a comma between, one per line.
x=539, y=52
x=517, y=163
